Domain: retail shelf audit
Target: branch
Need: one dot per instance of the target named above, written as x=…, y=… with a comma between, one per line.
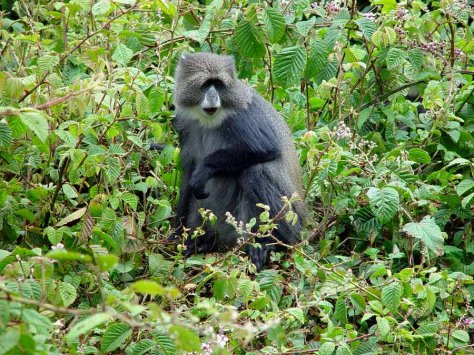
x=76, y=47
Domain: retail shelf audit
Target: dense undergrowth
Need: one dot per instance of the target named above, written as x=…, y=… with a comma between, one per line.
x=380, y=99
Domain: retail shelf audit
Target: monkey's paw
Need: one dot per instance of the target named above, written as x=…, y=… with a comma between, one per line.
x=197, y=187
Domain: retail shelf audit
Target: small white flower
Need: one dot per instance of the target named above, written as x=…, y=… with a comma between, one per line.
x=57, y=246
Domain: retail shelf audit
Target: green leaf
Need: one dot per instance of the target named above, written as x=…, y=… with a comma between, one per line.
x=327, y=348
x=143, y=346
x=86, y=325
x=156, y=99
x=384, y=203
x=36, y=121
x=297, y=313
x=464, y=186
x=428, y=232
x=186, y=339
x=418, y=155
x=115, y=335
x=367, y=27
x=6, y=136
x=142, y=105
x=416, y=58
x=148, y=287
x=68, y=293
x=166, y=344
x=274, y=23
x=248, y=39
x=395, y=57
x=462, y=336
x=107, y=262
x=466, y=201
x=391, y=296
x=47, y=62
x=340, y=311
x=383, y=327
x=32, y=317
x=303, y=27
x=64, y=255
x=130, y=199
x=343, y=349
x=9, y=339
x=122, y=54
x=101, y=7
x=289, y=65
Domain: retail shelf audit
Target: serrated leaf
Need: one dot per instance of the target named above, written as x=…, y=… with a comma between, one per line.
x=37, y=122
x=418, y=155
x=248, y=39
x=115, y=335
x=274, y=23
x=289, y=65
x=343, y=349
x=384, y=203
x=464, y=186
x=428, y=232
x=130, y=199
x=122, y=54
x=395, y=57
x=142, y=105
x=6, y=136
x=72, y=217
x=303, y=27
x=391, y=296
x=416, y=58
x=86, y=325
x=383, y=327
x=340, y=311
x=367, y=27
x=67, y=292
x=156, y=99
x=143, y=346
x=33, y=317
x=297, y=313
x=166, y=344
x=101, y=7
x=327, y=348
x=47, y=62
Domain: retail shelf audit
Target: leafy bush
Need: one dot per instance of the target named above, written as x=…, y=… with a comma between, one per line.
x=380, y=100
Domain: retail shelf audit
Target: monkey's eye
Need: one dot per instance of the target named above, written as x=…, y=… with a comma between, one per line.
x=217, y=83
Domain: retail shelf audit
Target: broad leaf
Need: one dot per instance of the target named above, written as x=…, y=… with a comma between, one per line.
x=289, y=65
x=115, y=336
x=428, y=232
x=384, y=203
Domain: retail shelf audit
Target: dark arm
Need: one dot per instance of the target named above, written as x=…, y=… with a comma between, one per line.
x=249, y=142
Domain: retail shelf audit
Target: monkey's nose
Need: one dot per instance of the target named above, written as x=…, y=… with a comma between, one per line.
x=210, y=110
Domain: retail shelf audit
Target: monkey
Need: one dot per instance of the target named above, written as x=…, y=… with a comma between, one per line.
x=236, y=151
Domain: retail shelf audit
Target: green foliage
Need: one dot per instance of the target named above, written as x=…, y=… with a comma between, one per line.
x=381, y=106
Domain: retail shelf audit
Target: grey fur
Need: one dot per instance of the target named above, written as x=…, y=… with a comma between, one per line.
x=244, y=122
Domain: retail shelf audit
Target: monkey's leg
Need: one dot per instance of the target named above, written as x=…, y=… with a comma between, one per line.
x=204, y=243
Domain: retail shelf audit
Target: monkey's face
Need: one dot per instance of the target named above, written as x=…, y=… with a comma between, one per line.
x=204, y=86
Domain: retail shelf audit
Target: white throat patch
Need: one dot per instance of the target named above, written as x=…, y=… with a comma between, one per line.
x=197, y=113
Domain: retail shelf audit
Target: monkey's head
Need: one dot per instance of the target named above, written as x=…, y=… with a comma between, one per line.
x=206, y=85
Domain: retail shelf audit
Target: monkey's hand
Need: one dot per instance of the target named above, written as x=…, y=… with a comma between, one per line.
x=198, y=182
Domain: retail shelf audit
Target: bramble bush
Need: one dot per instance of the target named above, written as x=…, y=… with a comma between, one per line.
x=380, y=99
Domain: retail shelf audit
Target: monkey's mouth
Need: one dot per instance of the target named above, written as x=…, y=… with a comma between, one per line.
x=210, y=110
